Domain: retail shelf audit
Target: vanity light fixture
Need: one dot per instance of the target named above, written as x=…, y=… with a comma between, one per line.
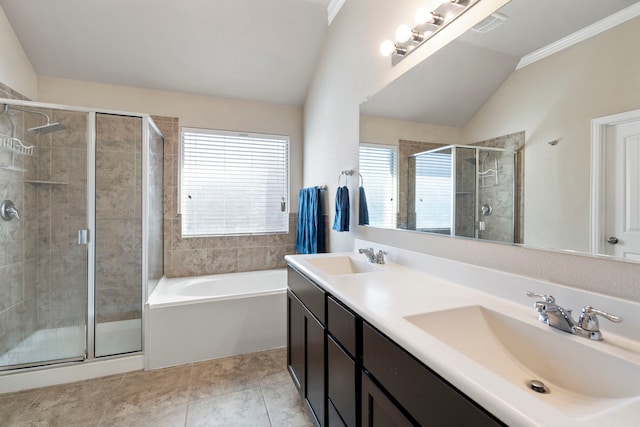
x=428, y=23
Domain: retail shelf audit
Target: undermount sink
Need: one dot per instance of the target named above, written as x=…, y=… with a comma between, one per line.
x=580, y=379
x=336, y=265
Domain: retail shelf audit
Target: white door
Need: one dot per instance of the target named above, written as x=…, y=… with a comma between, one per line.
x=622, y=187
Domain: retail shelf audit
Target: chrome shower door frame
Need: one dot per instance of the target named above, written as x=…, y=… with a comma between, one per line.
x=91, y=320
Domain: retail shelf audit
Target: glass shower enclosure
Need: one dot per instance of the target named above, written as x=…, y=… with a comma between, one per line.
x=84, y=246
x=466, y=191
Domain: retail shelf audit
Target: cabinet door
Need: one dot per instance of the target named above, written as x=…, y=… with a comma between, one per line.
x=315, y=378
x=420, y=391
x=341, y=378
x=306, y=355
x=378, y=410
x=333, y=418
x=296, y=341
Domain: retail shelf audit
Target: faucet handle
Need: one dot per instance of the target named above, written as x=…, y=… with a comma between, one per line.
x=548, y=299
x=589, y=321
x=542, y=306
x=369, y=253
x=380, y=256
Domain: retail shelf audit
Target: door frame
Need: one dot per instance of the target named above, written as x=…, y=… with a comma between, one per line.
x=598, y=173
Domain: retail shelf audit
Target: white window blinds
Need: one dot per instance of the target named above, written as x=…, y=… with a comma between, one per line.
x=233, y=183
x=433, y=192
x=378, y=167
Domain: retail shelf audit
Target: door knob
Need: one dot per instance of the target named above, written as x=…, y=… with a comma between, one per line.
x=613, y=240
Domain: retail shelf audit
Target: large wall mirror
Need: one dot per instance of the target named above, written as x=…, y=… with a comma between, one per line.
x=526, y=129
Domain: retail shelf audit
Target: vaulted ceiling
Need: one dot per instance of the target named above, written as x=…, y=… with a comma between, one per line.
x=452, y=85
x=260, y=50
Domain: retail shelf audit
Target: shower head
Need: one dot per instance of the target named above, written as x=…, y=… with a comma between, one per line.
x=49, y=127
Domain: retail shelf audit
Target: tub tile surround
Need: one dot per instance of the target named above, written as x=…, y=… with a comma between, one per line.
x=197, y=256
x=247, y=390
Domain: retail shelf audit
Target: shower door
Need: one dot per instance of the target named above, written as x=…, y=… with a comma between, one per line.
x=43, y=265
x=118, y=276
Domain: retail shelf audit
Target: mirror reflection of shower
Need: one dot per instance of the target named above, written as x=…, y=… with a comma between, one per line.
x=466, y=191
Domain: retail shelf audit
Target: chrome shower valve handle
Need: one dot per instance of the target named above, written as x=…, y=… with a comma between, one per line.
x=8, y=211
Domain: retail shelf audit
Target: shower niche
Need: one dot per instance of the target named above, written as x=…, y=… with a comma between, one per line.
x=88, y=241
x=464, y=191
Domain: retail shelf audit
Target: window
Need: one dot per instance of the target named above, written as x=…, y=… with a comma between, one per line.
x=378, y=167
x=433, y=192
x=233, y=183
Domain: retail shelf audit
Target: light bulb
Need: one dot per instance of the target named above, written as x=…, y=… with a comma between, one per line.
x=404, y=33
x=387, y=48
x=422, y=15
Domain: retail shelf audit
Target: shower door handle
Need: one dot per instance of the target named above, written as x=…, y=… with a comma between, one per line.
x=83, y=237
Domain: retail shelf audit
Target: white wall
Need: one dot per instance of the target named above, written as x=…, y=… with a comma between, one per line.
x=192, y=110
x=555, y=99
x=382, y=130
x=350, y=69
x=15, y=69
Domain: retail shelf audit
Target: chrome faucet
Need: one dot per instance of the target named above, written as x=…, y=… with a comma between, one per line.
x=372, y=256
x=560, y=318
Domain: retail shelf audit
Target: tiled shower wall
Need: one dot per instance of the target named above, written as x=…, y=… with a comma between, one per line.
x=18, y=257
x=506, y=224
x=211, y=255
x=118, y=217
x=61, y=197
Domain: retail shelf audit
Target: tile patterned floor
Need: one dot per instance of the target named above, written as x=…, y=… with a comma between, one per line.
x=252, y=390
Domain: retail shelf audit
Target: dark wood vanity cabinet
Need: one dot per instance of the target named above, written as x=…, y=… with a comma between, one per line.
x=349, y=374
x=377, y=408
x=425, y=397
x=343, y=364
x=306, y=342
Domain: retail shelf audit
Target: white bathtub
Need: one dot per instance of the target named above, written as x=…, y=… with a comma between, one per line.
x=207, y=317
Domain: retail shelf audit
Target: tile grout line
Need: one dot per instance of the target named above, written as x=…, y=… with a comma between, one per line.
x=266, y=407
x=188, y=403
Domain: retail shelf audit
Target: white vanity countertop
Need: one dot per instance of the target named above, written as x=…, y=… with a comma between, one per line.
x=385, y=297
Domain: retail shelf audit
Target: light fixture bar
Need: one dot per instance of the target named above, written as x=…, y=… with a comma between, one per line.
x=428, y=23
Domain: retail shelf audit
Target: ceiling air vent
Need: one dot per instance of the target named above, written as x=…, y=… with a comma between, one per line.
x=489, y=23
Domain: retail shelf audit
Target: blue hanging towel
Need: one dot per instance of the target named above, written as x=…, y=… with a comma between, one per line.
x=363, y=209
x=341, y=222
x=310, y=230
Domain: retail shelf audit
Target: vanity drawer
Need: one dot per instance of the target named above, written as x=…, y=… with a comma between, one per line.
x=342, y=324
x=422, y=393
x=312, y=296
